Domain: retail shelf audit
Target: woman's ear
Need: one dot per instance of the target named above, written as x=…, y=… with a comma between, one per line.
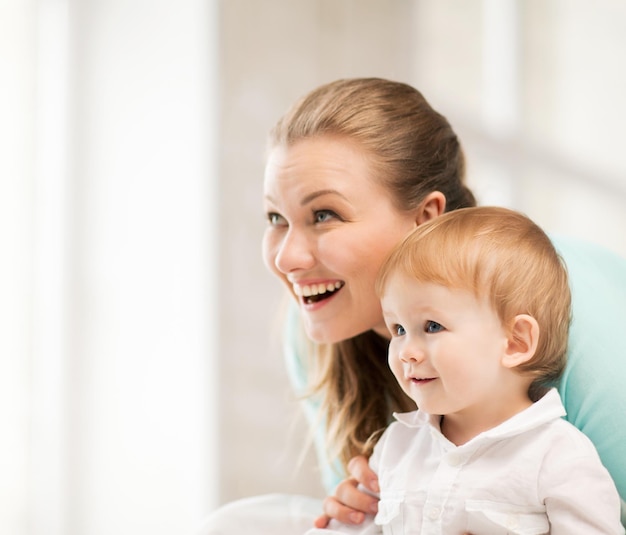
x=522, y=341
x=433, y=205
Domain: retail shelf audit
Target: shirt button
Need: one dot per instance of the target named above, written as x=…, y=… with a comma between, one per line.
x=434, y=513
x=453, y=459
x=512, y=522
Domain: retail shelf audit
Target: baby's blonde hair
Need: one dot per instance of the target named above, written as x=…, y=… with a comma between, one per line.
x=502, y=256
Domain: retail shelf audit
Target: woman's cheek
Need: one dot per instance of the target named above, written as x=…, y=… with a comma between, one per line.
x=269, y=249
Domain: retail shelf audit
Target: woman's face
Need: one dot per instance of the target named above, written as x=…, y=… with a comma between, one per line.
x=331, y=225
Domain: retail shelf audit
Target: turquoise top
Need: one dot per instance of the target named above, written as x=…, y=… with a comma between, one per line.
x=593, y=388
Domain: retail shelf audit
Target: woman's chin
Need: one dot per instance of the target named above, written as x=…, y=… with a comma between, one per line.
x=331, y=334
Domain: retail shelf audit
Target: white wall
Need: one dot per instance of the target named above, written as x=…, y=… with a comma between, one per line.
x=109, y=320
x=533, y=89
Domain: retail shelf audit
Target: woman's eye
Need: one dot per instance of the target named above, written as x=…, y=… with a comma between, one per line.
x=275, y=219
x=433, y=327
x=321, y=216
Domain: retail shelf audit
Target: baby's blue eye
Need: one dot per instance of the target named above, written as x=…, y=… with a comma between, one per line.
x=398, y=330
x=433, y=327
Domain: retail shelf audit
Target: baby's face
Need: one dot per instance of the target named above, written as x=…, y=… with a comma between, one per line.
x=446, y=346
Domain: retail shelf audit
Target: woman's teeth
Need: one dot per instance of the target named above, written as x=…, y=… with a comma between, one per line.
x=309, y=290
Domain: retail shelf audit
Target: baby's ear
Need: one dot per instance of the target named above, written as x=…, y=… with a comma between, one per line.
x=522, y=341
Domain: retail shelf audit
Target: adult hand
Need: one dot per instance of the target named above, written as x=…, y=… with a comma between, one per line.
x=350, y=504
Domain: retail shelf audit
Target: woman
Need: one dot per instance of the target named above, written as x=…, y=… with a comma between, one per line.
x=352, y=168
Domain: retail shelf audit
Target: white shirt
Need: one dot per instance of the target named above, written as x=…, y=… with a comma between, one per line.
x=533, y=474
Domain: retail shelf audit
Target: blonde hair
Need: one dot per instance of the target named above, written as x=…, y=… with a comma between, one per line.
x=413, y=151
x=502, y=256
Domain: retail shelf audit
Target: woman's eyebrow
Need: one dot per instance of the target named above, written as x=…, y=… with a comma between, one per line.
x=312, y=196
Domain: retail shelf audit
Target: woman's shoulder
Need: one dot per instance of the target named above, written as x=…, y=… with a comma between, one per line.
x=593, y=387
x=588, y=259
x=598, y=283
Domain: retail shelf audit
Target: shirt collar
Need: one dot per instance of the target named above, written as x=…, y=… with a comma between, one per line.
x=548, y=408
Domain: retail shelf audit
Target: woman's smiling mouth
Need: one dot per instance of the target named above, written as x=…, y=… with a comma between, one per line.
x=313, y=293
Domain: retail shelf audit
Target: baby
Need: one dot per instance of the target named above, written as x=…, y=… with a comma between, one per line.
x=477, y=303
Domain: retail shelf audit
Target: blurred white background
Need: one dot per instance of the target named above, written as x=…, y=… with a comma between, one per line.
x=141, y=377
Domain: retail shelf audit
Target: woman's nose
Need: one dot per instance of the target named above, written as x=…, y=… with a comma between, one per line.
x=294, y=253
